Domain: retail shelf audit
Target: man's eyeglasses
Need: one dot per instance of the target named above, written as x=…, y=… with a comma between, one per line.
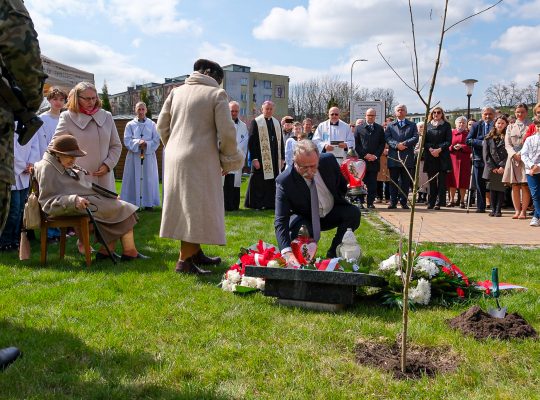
x=88, y=98
x=371, y=115
x=334, y=114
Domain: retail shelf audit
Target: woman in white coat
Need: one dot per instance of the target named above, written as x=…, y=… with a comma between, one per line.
x=140, y=181
x=95, y=132
x=194, y=119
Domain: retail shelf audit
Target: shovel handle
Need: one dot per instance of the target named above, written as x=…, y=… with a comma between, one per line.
x=495, y=281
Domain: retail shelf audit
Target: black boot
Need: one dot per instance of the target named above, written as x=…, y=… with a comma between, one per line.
x=202, y=259
x=188, y=267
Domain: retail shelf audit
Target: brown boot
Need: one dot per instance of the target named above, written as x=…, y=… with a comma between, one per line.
x=188, y=267
x=201, y=259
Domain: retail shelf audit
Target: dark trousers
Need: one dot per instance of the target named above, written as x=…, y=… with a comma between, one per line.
x=400, y=177
x=497, y=200
x=231, y=194
x=534, y=187
x=342, y=216
x=12, y=230
x=370, y=179
x=383, y=190
x=480, y=184
x=437, y=189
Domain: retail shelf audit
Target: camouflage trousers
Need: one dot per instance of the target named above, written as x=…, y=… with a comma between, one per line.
x=6, y=163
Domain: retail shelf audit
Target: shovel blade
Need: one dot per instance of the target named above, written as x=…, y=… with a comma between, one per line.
x=497, y=312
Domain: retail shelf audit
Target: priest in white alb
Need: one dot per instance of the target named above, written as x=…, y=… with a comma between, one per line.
x=140, y=181
x=233, y=180
x=334, y=135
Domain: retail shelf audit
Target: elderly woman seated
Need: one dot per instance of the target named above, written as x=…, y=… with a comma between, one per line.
x=64, y=190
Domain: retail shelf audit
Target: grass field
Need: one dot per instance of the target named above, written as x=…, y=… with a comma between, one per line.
x=139, y=331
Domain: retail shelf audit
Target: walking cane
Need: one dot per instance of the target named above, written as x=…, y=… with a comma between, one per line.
x=99, y=235
x=470, y=188
x=141, y=180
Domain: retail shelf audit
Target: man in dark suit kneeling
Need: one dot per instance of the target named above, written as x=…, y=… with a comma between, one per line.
x=313, y=180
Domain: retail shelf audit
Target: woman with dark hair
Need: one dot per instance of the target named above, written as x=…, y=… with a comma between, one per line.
x=199, y=136
x=514, y=170
x=95, y=131
x=495, y=155
x=437, y=157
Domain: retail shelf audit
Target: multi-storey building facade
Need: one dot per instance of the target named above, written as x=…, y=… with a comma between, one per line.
x=63, y=76
x=249, y=89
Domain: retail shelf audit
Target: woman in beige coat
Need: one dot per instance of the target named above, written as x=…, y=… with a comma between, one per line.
x=95, y=132
x=64, y=190
x=197, y=130
x=514, y=171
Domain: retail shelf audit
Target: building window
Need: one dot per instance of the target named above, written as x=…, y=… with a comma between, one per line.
x=243, y=81
x=243, y=96
x=279, y=92
x=254, y=97
x=243, y=112
x=267, y=84
x=267, y=97
x=254, y=82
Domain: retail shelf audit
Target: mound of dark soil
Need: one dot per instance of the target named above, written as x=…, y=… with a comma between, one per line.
x=420, y=360
x=481, y=325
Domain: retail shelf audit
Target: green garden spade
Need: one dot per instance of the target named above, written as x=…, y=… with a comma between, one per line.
x=499, y=312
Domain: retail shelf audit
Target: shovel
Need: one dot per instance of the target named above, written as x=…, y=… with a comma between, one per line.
x=499, y=312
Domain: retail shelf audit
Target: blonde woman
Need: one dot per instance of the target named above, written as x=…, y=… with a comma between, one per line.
x=514, y=170
x=95, y=132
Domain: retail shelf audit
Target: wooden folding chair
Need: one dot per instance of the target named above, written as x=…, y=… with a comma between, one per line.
x=81, y=223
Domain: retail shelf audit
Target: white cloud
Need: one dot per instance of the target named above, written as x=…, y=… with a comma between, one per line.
x=149, y=18
x=104, y=62
x=136, y=42
x=343, y=22
x=523, y=61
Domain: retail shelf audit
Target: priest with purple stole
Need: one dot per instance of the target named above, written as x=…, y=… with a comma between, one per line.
x=267, y=154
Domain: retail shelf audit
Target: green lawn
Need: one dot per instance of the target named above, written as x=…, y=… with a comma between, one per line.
x=139, y=331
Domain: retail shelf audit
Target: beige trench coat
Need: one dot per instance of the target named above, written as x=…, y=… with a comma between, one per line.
x=58, y=191
x=514, y=170
x=97, y=135
x=194, y=118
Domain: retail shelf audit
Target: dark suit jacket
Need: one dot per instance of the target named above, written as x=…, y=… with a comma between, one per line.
x=475, y=140
x=293, y=196
x=370, y=142
x=394, y=135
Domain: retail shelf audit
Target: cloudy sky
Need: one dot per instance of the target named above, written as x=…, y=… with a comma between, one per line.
x=138, y=41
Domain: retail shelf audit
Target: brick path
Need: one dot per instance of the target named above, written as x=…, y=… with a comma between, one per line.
x=454, y=225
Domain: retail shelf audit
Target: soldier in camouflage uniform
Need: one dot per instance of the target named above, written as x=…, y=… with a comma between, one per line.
x=19, y=52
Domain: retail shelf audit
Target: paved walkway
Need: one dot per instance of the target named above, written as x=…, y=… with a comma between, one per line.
x=454, y=225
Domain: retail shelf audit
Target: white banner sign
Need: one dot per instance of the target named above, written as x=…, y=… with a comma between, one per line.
x=359, y=109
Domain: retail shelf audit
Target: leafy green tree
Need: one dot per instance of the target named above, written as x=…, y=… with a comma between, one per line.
x=105, y=102
x=146, y=100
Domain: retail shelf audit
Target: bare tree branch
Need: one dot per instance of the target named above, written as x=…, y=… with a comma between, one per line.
x=474, y=15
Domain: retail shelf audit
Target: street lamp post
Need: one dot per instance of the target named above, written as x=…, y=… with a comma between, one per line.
x=351, y=99
x=469, y=83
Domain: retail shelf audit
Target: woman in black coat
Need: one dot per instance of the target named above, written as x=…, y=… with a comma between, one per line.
x=437, y=156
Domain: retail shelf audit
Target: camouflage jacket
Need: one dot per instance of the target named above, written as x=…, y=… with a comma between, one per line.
x=19, y=51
